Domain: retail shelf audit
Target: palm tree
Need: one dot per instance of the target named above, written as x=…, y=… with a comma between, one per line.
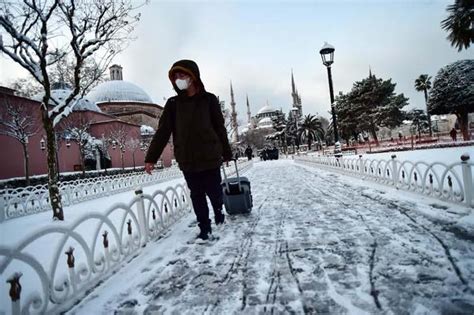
x=311, y=130
x=423, y=83
x=459, y=23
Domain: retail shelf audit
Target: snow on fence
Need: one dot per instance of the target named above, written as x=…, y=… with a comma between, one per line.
x=23, y=201
x=451, y=182
x=57, y=265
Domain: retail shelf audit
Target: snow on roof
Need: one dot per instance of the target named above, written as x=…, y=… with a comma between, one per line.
x=266, y=109
x=118, y=90
x=265, y=123
x=146, y=130
x=61, y=94
x=266, y=120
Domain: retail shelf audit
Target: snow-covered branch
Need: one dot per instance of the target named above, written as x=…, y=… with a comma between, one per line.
x=17, y=122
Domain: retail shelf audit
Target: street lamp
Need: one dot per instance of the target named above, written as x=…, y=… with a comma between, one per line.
x=42, y=144
x=68, y=141
x=327, y=56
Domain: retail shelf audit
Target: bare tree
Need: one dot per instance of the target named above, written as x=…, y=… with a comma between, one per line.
x=105, y=143
x=76, y=129
x=19, y=123
x=118, y=135
x=133, y=145
x=26, y=87
x=92, y=74
x=42, y=33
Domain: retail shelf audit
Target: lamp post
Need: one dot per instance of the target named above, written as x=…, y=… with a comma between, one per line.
x=327, y=55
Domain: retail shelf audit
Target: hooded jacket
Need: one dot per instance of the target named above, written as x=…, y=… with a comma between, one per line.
x=196, y=123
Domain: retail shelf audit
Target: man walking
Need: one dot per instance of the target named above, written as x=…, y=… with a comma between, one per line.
x=195, y=120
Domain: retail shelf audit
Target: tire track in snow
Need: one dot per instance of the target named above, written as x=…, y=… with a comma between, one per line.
x=416, y=227
x=373, y=291
x=404, y=211
x=242, y=255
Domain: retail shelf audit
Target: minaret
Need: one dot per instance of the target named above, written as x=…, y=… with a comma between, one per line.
x=235, y=134
x=295, y=96
x=249, y=116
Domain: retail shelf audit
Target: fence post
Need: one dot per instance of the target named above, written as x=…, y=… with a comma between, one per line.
x=141, y=216
x=467, y=179
x=394, y=170
x=70, y=263
x=3, y=214
x=361, y=165
x=15, y=292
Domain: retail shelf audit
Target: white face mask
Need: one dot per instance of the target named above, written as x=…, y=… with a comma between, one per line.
x=182, y=84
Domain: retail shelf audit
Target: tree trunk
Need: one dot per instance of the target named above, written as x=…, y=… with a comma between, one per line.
x=374, y=135
x=133, y=157
x=53, y=180
x=26, y=162
x=83, y=164
x=121, y=158
x=463, y=122
x=309, y=144
x=428, y=113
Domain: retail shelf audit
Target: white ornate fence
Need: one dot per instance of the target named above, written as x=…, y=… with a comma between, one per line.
x=451, y=182
x=55, y=266
x=33, y=199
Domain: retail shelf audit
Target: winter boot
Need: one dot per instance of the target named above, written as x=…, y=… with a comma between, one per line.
x=219, y=217
x=205, y=232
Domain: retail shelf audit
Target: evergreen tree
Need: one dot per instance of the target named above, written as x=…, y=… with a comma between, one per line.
x=374, y=104
x=423, y=83
x=345, y=117
x=419, y=120
x=453, y=92
x=282, y=127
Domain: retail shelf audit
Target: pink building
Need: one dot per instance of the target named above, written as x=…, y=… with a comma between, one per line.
x=99, y=156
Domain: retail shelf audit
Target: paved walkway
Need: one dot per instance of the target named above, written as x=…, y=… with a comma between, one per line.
x=314, y=244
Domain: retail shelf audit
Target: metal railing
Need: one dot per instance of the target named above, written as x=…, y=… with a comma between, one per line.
x=24, y=201
x=78, y=256
x=61, y=262
x=448, y=182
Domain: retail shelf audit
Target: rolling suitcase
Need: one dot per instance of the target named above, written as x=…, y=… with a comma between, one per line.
x=237, y=194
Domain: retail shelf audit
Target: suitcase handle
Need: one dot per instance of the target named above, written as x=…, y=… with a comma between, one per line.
x=238, y=177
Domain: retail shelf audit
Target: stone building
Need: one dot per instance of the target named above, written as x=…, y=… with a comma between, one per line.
x=125, y=100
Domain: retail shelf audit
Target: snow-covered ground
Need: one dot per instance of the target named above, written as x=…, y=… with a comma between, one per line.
x=315, y=242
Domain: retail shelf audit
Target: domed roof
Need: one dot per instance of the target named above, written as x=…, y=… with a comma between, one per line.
x=118, y=91
x=265, y=122
x=265, y=109
x=61, y=94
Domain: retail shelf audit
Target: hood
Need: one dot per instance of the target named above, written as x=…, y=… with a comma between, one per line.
x=189, y=67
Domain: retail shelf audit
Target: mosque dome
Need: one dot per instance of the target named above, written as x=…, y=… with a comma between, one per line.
x=265, y=123
x=60, y=91
x=265, y=109
x=118, y=91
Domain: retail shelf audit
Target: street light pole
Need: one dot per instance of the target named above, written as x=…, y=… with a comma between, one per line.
x=327, y=55
x=333, y=111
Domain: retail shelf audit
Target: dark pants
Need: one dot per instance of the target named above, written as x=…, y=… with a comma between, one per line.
x=201, y=184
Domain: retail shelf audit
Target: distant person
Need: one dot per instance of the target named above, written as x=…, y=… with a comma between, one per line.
x=194, y=117
x=400, y=136
x=453, y=133
x=249, y=153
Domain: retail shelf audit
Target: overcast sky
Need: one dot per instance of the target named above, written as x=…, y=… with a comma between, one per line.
x=257, y=43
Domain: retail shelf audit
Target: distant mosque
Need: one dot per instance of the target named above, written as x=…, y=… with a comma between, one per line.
x=264, y=117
